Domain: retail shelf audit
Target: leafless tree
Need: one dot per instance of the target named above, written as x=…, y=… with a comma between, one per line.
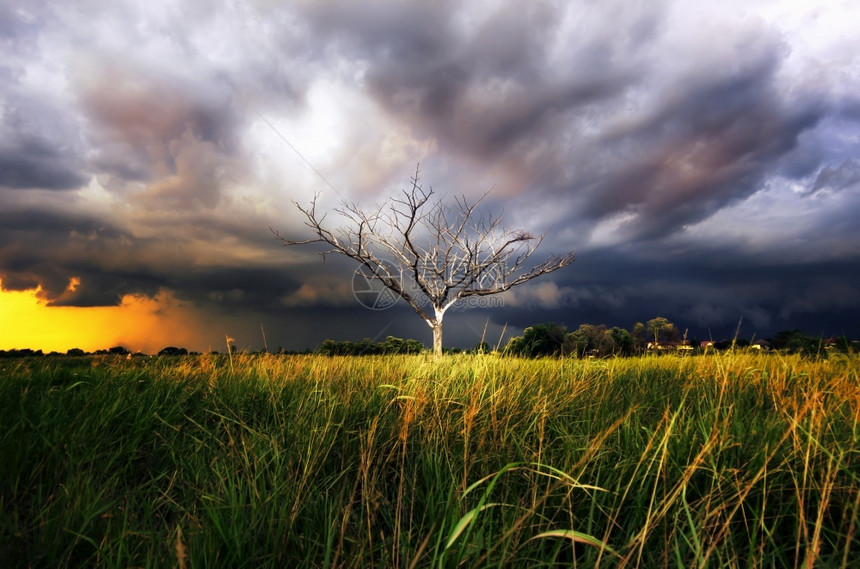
x=431, y=253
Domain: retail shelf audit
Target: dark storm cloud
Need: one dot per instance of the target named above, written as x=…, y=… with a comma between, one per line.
x=707, y=292
x=37, y=164
x=702, y=136
x=700, y=155
x=622, y=122
x=624, y=130
x=238, y=289
x=166, y=144
x=487, y=90
x=701, y=148
x=162, y=143
x=141, y=106
x=158, y=128
x=41, y=248
x=49, y=249
x=45, y=248
x=39, y=146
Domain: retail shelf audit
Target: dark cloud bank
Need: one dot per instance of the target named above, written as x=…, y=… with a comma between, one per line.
x=706, y=177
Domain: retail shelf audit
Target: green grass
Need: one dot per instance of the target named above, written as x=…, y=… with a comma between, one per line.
x=738, y=460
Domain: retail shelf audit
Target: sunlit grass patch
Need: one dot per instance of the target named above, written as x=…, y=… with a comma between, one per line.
x=739, y=459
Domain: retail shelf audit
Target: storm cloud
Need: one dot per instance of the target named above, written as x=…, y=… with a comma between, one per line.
x=701, y=160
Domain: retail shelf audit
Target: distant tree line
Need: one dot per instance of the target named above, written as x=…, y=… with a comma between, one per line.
x=366, y=347
x=795, y=341
x=657, y=335
x=77, y=352
x=597, y=340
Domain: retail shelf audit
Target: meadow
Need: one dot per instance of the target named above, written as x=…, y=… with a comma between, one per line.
x=723, y=460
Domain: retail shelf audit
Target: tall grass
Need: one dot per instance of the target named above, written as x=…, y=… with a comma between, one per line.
x=739, y=460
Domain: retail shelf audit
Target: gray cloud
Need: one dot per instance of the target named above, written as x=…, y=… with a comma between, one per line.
x=177, y=137
x=489, y=90
x=50, y=248
x=846, y=176
x=39, y=148
x=35, y=164
x=706, y=146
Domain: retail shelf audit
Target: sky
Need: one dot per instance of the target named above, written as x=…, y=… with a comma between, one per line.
x=700, y=159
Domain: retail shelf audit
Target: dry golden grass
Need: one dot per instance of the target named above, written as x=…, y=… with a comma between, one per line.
x=740, y=459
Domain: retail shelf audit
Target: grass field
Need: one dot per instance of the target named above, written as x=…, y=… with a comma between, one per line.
x=727, y=460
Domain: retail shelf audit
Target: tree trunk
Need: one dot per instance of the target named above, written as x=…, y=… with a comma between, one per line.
x=437, y=337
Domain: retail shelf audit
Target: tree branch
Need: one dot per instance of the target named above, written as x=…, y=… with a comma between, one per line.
x=448, y=252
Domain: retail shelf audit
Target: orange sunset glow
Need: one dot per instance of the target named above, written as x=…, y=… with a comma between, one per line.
x=138, y=323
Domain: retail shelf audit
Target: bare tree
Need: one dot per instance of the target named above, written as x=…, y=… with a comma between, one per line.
x=430, y=253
